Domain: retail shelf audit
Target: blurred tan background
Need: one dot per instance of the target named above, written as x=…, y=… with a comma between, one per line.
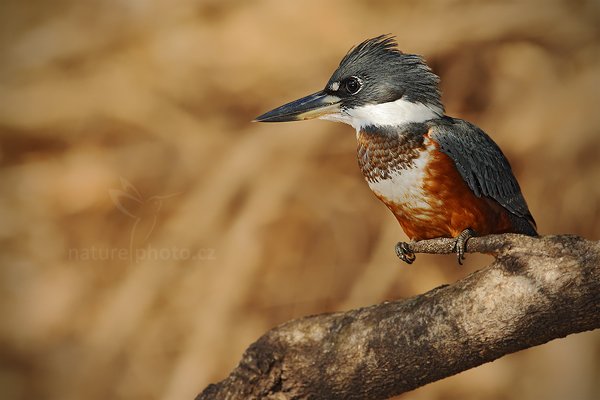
x=149, y=232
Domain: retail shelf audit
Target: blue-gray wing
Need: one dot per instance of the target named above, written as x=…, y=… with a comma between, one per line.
x=481, y=164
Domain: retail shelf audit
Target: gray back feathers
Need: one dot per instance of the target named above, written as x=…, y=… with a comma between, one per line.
x=483, y=166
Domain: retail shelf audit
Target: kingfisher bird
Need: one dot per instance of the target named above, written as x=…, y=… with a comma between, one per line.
x=440, y=176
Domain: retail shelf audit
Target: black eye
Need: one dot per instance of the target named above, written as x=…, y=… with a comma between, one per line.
x=352, y=85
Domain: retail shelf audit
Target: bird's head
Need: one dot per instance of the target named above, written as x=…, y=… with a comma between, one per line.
x=375, y=85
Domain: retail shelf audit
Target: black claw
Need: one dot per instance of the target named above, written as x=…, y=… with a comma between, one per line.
x=460, y=246
x=404, y=253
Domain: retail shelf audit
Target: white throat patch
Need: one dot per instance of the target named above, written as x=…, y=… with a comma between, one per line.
x=393, y=113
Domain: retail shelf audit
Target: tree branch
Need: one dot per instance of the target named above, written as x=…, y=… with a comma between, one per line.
x=537, y=289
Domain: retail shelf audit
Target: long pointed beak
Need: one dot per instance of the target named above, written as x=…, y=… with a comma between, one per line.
x=312, y=106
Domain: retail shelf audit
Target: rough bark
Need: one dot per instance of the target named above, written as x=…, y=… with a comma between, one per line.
x=536, y=290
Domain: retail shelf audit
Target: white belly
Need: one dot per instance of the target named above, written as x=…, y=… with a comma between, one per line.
x=405, y=187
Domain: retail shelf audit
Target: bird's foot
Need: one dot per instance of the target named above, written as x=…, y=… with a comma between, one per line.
x=460, y=246
x=404, y=253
